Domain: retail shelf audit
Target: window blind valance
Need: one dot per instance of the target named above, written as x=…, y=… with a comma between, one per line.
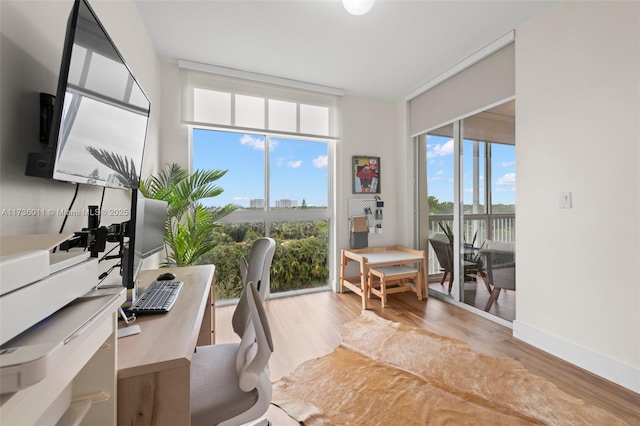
x=487, y=82
x=210, y=99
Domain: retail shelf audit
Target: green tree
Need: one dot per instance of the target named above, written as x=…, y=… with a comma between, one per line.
x=437, y=207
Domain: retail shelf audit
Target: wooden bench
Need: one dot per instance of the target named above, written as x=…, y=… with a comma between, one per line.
x=393, y=279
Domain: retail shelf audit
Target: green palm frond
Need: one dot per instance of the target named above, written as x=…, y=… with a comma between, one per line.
x=159, y=187
x=218, y=213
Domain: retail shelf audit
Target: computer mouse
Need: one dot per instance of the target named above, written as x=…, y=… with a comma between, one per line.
x=167, y=276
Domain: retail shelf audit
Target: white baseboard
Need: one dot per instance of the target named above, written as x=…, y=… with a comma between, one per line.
x=622, y=374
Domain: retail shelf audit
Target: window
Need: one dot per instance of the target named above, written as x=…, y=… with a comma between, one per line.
x=276, y=143
x=282, y=116
x=212, y=106
x=216, y=107
x=211, y=100
x=250, y=111
x=281, y=187
x=298, y=174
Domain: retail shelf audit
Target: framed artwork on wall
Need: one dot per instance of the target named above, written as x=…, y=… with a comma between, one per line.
x=365, y=174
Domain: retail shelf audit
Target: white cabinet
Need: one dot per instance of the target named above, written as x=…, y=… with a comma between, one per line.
x=63, y=370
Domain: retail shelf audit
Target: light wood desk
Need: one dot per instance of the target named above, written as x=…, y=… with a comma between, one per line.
x=154, y=366
x=372, y=257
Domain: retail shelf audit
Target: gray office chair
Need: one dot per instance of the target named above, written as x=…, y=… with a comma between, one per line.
x=230, y=382
x=256, y=270
x=500, y=268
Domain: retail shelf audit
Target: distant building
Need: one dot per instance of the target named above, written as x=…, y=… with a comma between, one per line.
x=286, y=203
x=257, y=203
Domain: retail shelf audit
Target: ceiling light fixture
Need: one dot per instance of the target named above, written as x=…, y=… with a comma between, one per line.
x=358, y=7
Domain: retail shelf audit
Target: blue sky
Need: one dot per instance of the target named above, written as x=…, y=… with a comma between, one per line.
x=298, y=168
x=440, y=171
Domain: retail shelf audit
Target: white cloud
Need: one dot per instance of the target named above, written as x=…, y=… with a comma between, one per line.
x=436, y=176
x=240, y=198
x=320, y=162
x=253, y=142
x=257, y=142
x=507, y=163
x=507, y=179
x=440, y=150
x=294, y=164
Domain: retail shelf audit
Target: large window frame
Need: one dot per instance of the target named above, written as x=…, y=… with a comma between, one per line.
x=269, y=215
x=256, y=215
x=313, y=117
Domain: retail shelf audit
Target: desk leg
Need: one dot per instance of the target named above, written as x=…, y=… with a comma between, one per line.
x=207, y=336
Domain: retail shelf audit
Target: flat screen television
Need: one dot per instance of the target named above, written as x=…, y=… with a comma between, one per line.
x=100, y=113
x=146, y=235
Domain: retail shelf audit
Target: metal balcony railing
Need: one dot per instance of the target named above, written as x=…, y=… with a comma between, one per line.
x=476, y=229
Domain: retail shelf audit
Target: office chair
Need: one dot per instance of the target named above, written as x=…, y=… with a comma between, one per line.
x=230, y=382
x=257, y=270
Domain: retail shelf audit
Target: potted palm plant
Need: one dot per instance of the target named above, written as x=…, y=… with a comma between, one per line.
x=190, y=225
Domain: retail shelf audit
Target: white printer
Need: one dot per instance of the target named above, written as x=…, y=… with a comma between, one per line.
x=35, y=283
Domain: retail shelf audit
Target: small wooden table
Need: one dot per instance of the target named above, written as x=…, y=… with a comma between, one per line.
x=373, y=257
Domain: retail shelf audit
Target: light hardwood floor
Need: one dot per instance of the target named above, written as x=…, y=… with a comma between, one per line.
x=307, y=326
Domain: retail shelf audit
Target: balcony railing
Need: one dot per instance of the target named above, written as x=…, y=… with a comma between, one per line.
x=476, y=229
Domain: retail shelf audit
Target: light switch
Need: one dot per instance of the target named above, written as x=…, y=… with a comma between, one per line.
x=565, y=200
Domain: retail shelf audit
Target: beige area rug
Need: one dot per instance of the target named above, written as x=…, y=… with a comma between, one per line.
x=385, y=373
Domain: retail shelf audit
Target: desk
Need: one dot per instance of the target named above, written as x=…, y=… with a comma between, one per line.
x=373, y=257
x=154, y=366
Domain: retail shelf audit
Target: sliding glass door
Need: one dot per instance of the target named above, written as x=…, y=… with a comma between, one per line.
x=467, y=201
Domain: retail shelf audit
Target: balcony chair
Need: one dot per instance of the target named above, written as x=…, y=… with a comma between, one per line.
x=444, y=254
x=230, y=382
x=500, y=268
x=256, y=270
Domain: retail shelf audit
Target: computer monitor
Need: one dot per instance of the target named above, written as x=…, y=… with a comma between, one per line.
x=146, y=235
x=100, y=113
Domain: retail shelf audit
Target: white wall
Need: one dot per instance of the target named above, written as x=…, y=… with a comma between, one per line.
x=368, y=127
x=31, y=48
x=577, y=129
x=175, y=141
